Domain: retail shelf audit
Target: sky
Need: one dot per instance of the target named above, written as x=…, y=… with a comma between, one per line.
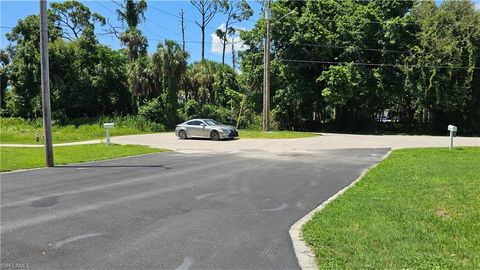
x=162, y=22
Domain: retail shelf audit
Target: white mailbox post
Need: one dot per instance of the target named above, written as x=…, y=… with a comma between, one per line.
x=107, y=127
x=453, y=130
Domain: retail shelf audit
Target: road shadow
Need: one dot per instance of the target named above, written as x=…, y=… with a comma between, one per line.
x=208, y=139
x=113, y=166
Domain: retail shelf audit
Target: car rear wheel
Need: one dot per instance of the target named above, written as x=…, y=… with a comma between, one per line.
x=182, y=135
x=214, y=135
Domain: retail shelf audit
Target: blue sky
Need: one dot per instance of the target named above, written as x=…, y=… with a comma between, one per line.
x=158, y=25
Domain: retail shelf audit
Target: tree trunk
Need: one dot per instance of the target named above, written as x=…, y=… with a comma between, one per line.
x=233, y=55
x=223, y=51
x=203, y=42
x=182, y=28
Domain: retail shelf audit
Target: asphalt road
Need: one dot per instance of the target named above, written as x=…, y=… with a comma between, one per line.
x=170, y=210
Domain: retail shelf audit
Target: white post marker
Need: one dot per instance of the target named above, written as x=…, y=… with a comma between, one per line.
x=107, y=127
x=453, y=130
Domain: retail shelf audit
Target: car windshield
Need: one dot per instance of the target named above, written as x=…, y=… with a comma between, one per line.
x=211, y=122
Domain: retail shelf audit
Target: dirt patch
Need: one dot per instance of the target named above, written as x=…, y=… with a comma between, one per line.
x=443, y=213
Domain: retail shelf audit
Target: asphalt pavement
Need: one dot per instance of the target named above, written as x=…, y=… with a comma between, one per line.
x=170, y=210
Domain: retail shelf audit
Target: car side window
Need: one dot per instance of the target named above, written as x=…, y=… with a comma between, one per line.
x=194, y=123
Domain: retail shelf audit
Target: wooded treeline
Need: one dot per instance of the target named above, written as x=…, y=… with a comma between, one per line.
x=336, y=65
x=343, y=63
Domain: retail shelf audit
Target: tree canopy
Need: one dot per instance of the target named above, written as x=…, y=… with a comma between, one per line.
x=388, y=65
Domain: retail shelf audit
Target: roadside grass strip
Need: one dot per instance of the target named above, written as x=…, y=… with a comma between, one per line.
x=15, y=158
x=418, y=209
x=20, y=131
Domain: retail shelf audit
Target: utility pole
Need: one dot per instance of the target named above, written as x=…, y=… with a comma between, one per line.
x=266, y=70
x=183, y=28
x=47, y=122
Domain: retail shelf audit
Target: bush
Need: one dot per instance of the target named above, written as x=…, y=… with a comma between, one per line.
x=188, y=110
x=218, y=113
x=158, y=111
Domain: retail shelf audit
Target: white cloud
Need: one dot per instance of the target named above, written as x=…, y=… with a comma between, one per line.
x=216, y=42
x=217, y=46
x=477, y=5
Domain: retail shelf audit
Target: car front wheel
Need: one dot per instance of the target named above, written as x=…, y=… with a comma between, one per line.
x=214, y=135
x=182, y=135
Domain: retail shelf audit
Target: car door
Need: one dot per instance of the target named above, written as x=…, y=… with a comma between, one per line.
x=194, y=128
x=206, y=130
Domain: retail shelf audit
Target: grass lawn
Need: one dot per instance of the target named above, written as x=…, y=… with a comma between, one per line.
x=14, y=158
x=65, y=134
x=62, y=134
x=258, y=134
x=419, y=209
x=20, y=131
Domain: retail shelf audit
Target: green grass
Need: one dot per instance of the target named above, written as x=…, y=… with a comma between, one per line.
x=419, y=209
x=20, y=131
x=258, y=134
x=14, y=158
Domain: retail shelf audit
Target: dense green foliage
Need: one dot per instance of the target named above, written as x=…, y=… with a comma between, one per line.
x=418, y=209
x=87, y=79
x=346, y=62
x=14, y=158
x=338, y=65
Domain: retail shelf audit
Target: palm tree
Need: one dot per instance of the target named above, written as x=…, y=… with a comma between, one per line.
x=204, y=75
x=135, y=41
x=133, y=12
x=171, y=61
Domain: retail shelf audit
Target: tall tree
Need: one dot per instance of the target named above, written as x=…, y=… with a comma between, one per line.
x=182, y=27
x=74, y=18
x=207, y=10
x=235, y=11
x=24, y=70
x=4, y=61
x=447, y=90
x=132, y=13
x=171, y=62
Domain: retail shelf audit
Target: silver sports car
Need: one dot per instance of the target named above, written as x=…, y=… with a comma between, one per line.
x=205, y=128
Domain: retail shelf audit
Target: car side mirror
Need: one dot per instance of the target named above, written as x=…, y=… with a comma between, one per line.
x=202, y=124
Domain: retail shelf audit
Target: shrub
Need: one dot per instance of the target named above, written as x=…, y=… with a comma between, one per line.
x=158, y=111
x=188, y=110
x=218, y=113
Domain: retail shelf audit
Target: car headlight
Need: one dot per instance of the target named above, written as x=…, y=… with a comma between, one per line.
x=224, y=130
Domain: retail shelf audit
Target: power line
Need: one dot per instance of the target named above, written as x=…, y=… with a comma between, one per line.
x=376, y=64
x=165, y=38
x=359, y=21
x=344, y=47
x=178, y=17
x=189, y=48
x=153, y=22
x=147, y=30
x=98, y=3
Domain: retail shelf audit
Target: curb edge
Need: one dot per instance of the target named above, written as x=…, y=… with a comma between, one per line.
x=305, y=257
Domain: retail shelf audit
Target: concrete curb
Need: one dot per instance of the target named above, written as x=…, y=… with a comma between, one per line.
x=305, y=256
